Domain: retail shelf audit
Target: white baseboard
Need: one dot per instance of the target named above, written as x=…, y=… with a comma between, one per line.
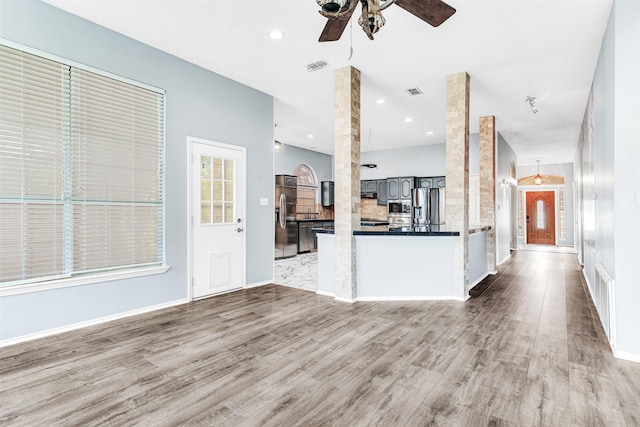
x=326, y=294
x=504, y=259
x=92, y=322
x=257, y=284
x=418, y=298
x=348, y=300
x=479, y=280
x=631, y=357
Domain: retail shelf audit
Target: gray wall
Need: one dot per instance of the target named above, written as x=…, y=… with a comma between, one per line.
x=564, y=170
x=289, y=157
x=608, y=176
x=198, y=103
x=426, y=160
x=505, y=201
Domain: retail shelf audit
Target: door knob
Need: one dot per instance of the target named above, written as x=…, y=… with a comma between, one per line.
x=239, y=230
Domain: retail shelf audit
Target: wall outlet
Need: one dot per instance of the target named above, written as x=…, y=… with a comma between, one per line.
x=264, y=201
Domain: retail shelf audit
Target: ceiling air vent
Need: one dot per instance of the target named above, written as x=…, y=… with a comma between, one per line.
x=414, y=91
x=318, y=65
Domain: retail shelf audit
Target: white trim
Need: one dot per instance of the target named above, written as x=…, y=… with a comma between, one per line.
x=348, y=300
x=504, y=260
x=480, y=279
x=65, y=61
x=83, y=280
x=258, y=284
x=632, y=357
x=326, y=294
x=243, y=150
x=420, y=298
x=92, y=322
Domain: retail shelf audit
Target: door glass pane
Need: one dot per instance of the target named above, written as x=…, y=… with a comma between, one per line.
x=217, y=190
x=205, y=213
x=217, y=213
x=228, y=212
x=228, y=191
x=229, y=166
x=540, y=215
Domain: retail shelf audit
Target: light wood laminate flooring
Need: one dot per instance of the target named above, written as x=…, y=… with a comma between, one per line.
x=526, y=350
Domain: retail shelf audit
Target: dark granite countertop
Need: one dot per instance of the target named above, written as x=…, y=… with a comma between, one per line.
x=421, y=230
x=385, y=230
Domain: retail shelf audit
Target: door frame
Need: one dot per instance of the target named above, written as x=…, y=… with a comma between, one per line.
x=242, y=195
x=537, y=189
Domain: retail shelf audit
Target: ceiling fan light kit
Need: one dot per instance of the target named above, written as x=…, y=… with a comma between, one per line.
x=338, y=13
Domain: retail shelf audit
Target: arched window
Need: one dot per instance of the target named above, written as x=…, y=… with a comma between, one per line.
x=307, y=190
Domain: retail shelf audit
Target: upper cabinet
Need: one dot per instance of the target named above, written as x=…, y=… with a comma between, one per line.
x=400, y=188
x=393, y=188
x=382, y=191
x=424, y=182
x=370, y=186
x=406, y=185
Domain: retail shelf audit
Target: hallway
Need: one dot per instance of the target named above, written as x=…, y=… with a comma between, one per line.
x=525, y=350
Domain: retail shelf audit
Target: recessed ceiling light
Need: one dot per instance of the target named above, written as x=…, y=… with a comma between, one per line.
x=408, y=119
x=310, y=135
x=276, y=34
x=430, y=132
x=381, y=101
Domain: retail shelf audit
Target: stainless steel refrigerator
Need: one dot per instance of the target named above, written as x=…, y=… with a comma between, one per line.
x=427, y=206
x=286, y=227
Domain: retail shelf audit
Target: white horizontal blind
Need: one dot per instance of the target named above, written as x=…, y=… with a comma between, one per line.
x=81, y=171
x=34, y=114
x=117, y=138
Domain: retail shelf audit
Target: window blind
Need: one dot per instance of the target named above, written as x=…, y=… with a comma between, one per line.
x=81, y=171
x=116, y=136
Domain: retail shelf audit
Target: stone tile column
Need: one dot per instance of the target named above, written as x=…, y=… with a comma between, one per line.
x=346, y=158
x=488, y=185
x=457, y=184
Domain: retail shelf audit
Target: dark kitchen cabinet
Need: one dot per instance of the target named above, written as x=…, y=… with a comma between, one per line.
x=439, y=181
x=382, y=191
x=406, y=185
x=393, y=188
x=424, y=182
x=371, y=186
x=400, y=188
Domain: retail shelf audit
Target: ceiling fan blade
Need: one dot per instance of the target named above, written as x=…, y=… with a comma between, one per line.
x=333, y=30
x=433, y=12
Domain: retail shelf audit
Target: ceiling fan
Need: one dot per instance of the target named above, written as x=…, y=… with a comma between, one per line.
x=338, y=12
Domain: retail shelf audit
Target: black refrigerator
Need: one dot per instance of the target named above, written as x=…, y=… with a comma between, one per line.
x=286, y=227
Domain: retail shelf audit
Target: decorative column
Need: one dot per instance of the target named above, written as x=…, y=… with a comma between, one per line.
x=488, y=185
x=346, y=158
x=457, y=184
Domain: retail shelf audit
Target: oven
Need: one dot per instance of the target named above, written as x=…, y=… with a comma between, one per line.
x=399, y=212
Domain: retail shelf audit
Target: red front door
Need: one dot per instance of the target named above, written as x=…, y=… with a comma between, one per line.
x=541, y=220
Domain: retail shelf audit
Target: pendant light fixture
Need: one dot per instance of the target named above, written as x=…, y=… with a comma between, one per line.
x=538, y=179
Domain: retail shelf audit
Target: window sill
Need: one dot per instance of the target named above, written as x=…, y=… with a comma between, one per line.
x=82, y=280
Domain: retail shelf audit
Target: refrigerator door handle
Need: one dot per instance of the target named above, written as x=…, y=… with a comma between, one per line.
x=283, y=212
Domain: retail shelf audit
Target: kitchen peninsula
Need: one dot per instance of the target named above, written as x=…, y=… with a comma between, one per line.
x=404, y=263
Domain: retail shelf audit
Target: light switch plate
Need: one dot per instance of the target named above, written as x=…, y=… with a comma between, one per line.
x=637, y=199
x=264, y=201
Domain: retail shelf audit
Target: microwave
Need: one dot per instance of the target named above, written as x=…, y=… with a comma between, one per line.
x=399, y=208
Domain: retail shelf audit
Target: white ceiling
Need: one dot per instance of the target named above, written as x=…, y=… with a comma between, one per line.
x=511, y=49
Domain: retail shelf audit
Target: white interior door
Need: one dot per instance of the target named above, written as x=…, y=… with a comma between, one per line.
x=218, y=212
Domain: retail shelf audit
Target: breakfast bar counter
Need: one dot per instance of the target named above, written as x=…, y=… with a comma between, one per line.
x=404, y=263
